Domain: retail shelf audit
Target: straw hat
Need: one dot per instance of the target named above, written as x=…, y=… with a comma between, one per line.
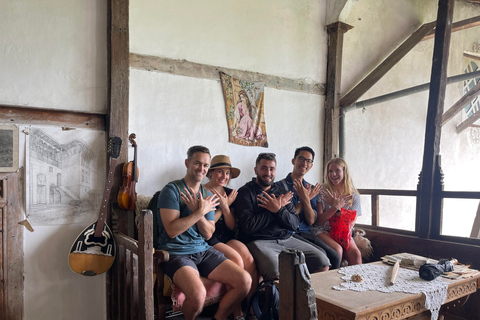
x=222, y=161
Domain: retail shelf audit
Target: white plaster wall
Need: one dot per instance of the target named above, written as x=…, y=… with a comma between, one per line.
x=54, y=54
x=170, y=113
x=384, y=143
x=52, y=290
x=277, y=37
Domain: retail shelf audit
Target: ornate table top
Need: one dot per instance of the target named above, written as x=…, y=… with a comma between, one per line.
x=343, y=305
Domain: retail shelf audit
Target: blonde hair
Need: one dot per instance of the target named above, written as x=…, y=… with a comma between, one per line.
x=348, y=187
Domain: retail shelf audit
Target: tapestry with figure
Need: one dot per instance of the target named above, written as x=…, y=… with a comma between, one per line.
x=245, y=111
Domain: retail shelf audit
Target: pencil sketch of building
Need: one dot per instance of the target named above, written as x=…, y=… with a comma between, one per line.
x=64, y=181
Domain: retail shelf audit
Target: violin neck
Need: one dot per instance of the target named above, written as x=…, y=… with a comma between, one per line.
x=135, y=178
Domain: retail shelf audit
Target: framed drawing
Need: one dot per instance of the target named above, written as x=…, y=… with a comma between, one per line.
x=65, y=175
x=8, y=148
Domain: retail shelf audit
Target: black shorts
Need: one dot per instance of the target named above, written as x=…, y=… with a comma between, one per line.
x=204, y=262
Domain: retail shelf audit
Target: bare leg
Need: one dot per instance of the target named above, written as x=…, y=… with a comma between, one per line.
x=188, y=280
x=230, y=253
x=353, y=254
x=238, y=281
x=248, y=263
x=332, y=243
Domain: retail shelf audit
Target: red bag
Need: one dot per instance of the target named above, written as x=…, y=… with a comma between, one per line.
x=341, y=230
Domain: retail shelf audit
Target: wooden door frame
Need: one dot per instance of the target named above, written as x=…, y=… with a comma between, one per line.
x=11, y=203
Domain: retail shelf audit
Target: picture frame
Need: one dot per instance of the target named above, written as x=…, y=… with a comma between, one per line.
x=8, y=148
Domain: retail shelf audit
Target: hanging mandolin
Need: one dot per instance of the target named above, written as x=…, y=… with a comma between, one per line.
x=93, y=252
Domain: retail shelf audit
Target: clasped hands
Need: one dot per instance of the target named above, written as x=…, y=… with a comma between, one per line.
x=272, y=203
x=196, y=202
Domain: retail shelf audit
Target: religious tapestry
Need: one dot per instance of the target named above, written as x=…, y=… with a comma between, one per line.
x=245, y=111
x=65, y=172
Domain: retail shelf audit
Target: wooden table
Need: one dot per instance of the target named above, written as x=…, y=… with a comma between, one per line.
x=348, y=305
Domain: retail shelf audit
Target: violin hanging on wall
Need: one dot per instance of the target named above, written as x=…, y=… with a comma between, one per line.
x=127, y=196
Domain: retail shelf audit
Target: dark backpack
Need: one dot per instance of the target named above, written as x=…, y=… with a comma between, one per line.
x=265, y=301
x=152, y=205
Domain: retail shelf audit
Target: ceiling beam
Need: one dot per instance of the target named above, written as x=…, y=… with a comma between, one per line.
x=473, y=55
x=469, y=122
x=458, y=26
x=352, y=96
x=461, y=103
x=66, y=119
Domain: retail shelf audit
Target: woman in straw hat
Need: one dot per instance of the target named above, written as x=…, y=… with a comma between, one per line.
x=223, y=239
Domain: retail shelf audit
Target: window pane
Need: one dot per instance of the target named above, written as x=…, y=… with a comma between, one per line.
x=397, y=212
x=458, y=216
x=366, y=217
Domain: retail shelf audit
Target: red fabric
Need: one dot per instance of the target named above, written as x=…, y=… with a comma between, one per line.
x=341, y=230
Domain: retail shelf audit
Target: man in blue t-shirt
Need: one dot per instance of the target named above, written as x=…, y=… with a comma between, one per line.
x=187, y=220
x=305, y=197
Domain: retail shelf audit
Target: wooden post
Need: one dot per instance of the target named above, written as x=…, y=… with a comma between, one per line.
x=297, y=297
x=145, y=265
x=334, y=75
x=117, y=120
x=437, y=201
x=305, y=301
x=434, y=113
x=287, y=260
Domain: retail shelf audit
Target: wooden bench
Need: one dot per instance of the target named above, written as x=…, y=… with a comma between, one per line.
x=138, y=278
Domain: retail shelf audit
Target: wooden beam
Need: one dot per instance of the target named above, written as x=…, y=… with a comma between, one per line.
x=204, y=71
x=461, y=103
x=352, y=96
x=118, y=111
x=473, y=55
x=457, y=26
x=13, y=236
x=469, y=122
x=334, y=75
x=61, y=118
x=119, y=66
x=433, y=129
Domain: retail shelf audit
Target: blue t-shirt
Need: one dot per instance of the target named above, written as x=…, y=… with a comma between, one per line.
x=190, y=241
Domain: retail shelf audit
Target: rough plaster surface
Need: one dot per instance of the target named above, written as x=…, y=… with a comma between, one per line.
x=52, y=290
x=189, y=111
x=278, y=37
x=54, y=54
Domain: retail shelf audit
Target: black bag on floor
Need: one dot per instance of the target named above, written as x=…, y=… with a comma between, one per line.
x=265, y=301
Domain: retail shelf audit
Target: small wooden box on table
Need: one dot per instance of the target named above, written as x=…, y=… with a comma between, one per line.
x=352, y=305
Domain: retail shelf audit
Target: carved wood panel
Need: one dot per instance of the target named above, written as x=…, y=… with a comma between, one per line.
x=402, y=310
